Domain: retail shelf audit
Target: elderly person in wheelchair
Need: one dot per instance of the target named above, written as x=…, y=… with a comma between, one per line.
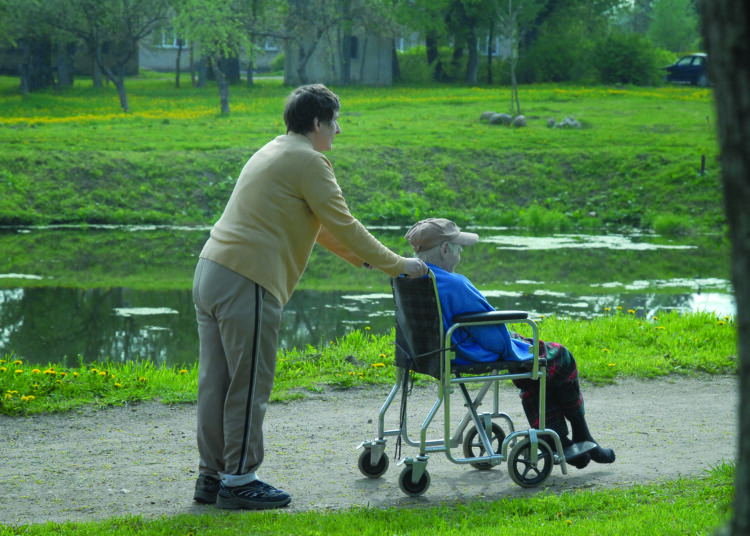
x=439, y=242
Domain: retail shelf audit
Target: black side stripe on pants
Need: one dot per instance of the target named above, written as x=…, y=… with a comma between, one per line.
x=251, y=387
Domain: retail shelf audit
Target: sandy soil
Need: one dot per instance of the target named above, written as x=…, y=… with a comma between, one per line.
x=141, y=459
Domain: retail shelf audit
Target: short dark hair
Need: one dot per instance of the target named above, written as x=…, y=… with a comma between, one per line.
x=305, y=104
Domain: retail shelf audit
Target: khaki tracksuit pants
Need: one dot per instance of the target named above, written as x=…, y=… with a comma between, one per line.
x=238, y=325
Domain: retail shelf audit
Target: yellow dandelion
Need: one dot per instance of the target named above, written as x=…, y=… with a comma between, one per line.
x=610, y=364
x=50, y=372
x=142, y=379
x=63, y=374
x=631, y=311
x=35, y=371
x=8, y=396
x=382, y=356
x=721, y=322
x=18, y=362
x=3, y=369
x=19, y=371
x=183, y=371
x=75, y=374
x=368, y=328
x=118, y=384
x=378, y=365
x=605, y=349
x=103, y=373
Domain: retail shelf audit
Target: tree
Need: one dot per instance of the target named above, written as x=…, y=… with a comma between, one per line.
x=725, y=29
x=674, y=25
x=218, y=28
x=515, y=18
x=110, y=29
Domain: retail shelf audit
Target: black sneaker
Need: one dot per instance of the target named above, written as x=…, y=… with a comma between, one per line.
x=206, y=489
x=253, y=496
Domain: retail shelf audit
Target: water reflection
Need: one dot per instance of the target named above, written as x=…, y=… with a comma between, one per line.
x=59, y=324
x=566, y=275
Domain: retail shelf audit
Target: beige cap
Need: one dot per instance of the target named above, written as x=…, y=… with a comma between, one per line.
x=432, y=232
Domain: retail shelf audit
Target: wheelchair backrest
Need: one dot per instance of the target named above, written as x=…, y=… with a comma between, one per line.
x=419, y=324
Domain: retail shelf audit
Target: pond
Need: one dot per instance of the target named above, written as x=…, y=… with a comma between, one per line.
x=48, y=314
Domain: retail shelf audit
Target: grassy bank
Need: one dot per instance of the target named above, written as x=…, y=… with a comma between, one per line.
x=606, y=348
x=686, y=506
x=404, y=153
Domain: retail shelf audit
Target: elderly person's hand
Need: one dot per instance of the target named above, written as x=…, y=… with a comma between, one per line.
x=415, y=268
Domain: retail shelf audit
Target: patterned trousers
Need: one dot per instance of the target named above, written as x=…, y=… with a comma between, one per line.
x=563, y=390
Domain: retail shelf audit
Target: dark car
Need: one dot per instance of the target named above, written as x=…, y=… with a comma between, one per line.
x=692, y=69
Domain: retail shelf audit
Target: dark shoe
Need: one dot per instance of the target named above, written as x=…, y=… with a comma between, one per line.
x=580, y=461
x=253, y=496
x=602, y=455
x=206, y=489
x=579, y=454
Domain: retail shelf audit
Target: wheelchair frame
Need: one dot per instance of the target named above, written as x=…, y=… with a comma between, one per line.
x=530, y=459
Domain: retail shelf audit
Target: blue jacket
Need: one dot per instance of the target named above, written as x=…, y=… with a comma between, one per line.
x=482, y=343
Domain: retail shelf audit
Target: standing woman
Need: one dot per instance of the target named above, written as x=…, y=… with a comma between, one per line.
x=285, y=200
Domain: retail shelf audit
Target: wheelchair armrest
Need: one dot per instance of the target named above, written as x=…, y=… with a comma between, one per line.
x=490, y=316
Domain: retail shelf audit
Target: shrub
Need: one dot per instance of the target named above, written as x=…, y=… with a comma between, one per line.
x=626, y=58
x=277, y=64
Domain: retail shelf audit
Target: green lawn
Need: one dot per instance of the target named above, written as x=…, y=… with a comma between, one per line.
x=405, y=153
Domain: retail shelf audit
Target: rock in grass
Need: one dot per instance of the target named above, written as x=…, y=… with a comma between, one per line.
x=500, y=119
x=486, y=116
x=519, y=121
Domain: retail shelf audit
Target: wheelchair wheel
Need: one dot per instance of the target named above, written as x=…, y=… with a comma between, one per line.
x=409, y=487
x=474, y=448
x=370, y=470
x=521, y=469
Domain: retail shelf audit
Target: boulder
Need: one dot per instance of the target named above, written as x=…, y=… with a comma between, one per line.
x=500, y=119
x=486, y=116
x=519, y=121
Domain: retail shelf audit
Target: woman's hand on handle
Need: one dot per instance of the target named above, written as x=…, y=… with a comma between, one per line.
x=415, y=268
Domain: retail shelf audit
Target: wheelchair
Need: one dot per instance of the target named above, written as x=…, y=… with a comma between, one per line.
x=423, y=346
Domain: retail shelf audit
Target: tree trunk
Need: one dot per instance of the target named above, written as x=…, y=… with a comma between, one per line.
x=35, y=69
x=177, y=64
x=433, y=56
x=395, y=67
x=65, y=55
x=726, y=26
x=490, y=45
x=472, y=66
x=223, y=84
x=193, y=78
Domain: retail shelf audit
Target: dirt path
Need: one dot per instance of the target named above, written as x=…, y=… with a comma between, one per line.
x=141, y=460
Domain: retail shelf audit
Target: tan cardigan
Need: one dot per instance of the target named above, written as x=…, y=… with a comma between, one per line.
x=285, y=192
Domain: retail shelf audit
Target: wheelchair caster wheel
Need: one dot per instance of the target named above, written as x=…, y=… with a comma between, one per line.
x=521, y=468
x=409, y=487
x=474, y=448
x=370, y=470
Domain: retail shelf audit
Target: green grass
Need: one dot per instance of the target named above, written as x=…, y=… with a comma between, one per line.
x=405, y=153
x=606, y=348
x=685, y=506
